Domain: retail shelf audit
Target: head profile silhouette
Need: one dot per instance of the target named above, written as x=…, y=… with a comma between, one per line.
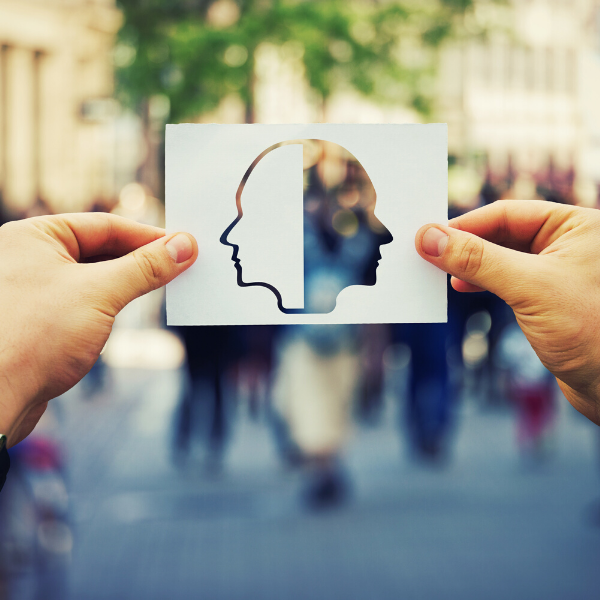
x=340, y=232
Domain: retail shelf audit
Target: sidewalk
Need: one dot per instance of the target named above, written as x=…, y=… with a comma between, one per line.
x=483, y=527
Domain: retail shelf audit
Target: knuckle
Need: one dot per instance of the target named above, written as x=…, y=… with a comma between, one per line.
x=48, y=224
x=7, y=230
x=11, y=227
x=8, y=225
x=111, y=232
x=149, y=267
x=13, y=234
x=469, y=257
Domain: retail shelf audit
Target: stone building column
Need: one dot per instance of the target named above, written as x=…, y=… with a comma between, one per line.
x=3, y=120
x=20, y=179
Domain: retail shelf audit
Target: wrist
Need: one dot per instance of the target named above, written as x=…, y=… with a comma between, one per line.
x=9, y=411
x=4, y=461
x=587, y=403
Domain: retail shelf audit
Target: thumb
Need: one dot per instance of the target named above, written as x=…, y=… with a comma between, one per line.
x=147, y=268
x=477, y=261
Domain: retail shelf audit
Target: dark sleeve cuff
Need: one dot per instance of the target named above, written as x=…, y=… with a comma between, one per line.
x=4, y=466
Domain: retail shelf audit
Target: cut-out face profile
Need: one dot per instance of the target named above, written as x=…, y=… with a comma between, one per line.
x=306, y=227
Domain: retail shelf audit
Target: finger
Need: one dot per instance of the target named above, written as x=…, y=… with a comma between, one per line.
x=476, y=261
x=463, y=286
x=86, y=235
x=145, y=269
x=524, y=225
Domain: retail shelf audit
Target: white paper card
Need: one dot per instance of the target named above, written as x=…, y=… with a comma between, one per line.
x=306, y=223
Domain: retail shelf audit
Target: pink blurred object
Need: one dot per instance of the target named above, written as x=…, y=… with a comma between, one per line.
x=536, y=412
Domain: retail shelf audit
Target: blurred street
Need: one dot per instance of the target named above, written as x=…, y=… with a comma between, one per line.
x=483, y=525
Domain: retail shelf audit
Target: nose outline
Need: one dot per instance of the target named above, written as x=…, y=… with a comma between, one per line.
x=229, y=236
x=385, y=237
x=224, y=239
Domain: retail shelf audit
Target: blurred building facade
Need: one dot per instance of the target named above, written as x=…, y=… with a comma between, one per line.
x=56, y=80
x=523, y=106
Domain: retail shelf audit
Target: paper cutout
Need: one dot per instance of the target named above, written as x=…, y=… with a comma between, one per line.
x=336, y=223
x=306, y=212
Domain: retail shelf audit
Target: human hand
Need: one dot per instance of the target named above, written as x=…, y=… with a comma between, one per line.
x=543, y=259
x=59, y=295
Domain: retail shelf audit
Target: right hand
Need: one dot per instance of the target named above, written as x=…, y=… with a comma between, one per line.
x=543, y=259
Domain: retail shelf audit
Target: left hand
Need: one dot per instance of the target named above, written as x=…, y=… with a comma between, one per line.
x=63, y=279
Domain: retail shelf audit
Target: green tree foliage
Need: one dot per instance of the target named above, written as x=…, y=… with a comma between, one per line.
x=196, y=52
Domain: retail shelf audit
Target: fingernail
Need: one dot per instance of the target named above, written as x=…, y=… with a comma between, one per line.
x=180, y=248
x=434, y=242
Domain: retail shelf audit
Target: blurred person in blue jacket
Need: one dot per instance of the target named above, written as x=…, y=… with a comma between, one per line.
x=428, y=405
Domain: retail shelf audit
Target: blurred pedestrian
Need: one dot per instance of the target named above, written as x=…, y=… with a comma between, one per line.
x=374, y=339
x=205, y=409
x=314, y=388
x=318, y=365
x=531, y=388
x=36, y=536
x=255, y=366
x=428, y=405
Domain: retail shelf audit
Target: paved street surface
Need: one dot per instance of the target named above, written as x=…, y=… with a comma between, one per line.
x=484, y=526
